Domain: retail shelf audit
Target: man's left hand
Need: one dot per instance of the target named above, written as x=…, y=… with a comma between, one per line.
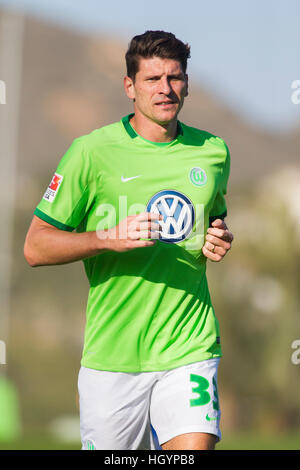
x=218, y=241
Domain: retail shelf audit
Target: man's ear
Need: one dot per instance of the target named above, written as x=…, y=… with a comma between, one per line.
x=129, y=87
x=187, y=85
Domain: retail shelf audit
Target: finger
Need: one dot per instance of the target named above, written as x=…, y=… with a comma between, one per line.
x=210, y=255
x=154, y=235
x=148, y=226
x=143, y=243
x=139, y=234
x=215, y=249
x=148, y=216
x=210, y=246
x=220, y=233
x=218, y=242
x=219, y=223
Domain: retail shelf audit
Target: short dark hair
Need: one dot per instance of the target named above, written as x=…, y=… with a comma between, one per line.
x=155, y=43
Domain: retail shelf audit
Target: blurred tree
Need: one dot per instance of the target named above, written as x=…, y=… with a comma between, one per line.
x=256, y=296
x=10, y=422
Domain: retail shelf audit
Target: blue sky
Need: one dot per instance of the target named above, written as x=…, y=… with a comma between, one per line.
x=245, y=52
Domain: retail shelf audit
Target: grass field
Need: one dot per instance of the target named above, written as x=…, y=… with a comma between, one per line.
x=253, y=441
x=242, y=441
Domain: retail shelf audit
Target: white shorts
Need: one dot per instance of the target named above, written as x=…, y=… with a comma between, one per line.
x=118, y=410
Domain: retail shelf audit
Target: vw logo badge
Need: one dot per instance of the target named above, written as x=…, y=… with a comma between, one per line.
x=178, y=212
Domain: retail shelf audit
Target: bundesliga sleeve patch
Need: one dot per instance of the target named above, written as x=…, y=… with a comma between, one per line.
x=53, y=188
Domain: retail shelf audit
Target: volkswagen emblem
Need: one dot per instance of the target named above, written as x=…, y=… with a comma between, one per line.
x=178, y=214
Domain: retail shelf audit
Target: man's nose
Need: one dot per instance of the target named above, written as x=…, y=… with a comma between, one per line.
x=165, y=86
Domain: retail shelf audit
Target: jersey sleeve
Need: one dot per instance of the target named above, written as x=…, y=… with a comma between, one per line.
x=70, y=192
x=219, y=209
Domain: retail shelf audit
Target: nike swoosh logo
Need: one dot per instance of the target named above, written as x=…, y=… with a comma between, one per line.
x=210, y=419
x=124, y=180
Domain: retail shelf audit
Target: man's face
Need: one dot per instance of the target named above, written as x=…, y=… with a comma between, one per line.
x=159, y=89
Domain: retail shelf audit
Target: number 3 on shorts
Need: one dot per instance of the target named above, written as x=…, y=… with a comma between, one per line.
x=201, y=389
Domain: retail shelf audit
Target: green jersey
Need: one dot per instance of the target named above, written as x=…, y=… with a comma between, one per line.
x=149, y=309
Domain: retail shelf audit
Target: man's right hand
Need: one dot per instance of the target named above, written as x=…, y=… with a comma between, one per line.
x=131, y=232
x=47, y=245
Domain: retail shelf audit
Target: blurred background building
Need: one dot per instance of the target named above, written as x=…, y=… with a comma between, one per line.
x=63, y=75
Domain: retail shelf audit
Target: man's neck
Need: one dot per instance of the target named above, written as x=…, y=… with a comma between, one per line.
x=153, y=131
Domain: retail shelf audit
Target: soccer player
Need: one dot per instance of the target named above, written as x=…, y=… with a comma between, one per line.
x=141, y=202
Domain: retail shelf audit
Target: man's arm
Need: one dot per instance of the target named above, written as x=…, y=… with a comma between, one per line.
x=48, y=245
x=218, y=240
